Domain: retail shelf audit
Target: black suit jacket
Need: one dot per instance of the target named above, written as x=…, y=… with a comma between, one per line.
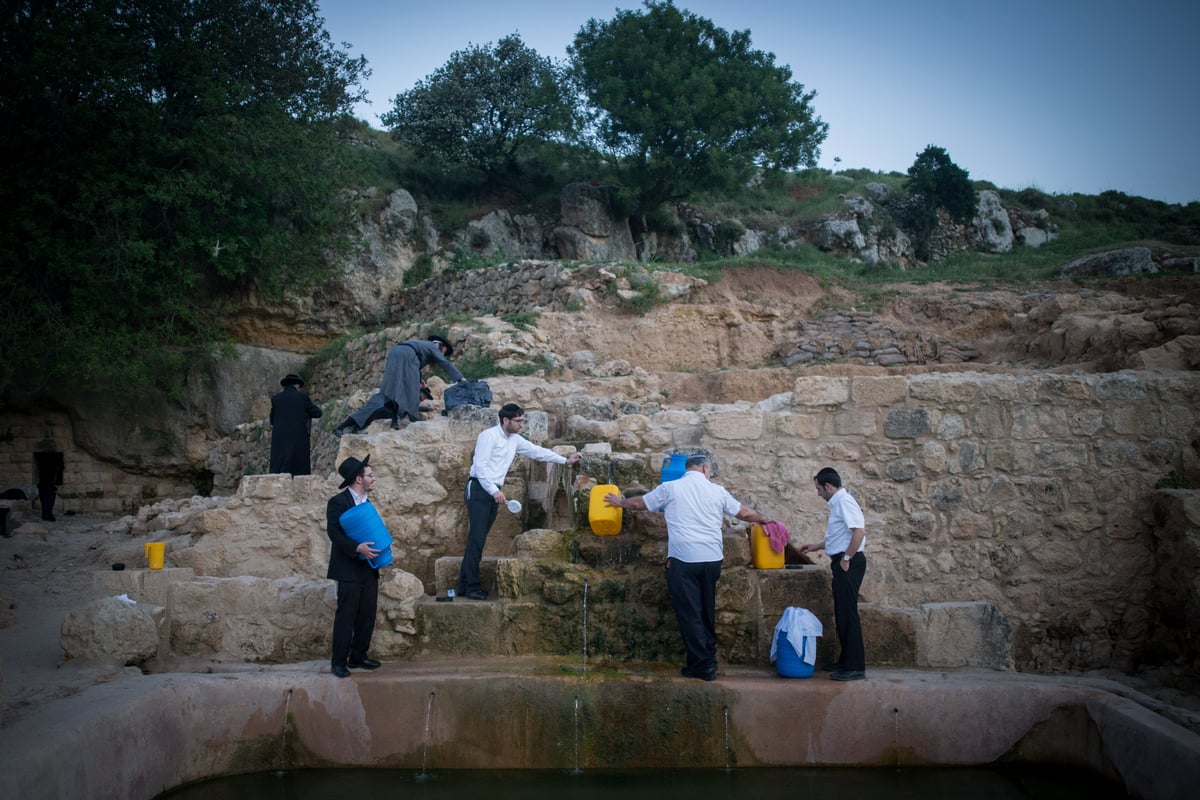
x=344, y=563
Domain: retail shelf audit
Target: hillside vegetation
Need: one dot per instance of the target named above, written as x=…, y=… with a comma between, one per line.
x=159, y=186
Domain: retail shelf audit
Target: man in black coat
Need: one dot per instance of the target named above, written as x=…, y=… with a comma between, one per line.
x=357, y=581
x=50, y=469
x=399, y=395
x=292, y=413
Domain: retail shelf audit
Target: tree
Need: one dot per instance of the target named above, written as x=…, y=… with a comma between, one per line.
x=161, y=156
x=937, y=182
x=483, y=106
x=688, y=105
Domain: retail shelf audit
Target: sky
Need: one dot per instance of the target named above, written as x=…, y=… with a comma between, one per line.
x=1060, y=95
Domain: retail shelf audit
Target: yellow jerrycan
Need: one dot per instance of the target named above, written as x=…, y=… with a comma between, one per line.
x=761, y=554
x=604, y=519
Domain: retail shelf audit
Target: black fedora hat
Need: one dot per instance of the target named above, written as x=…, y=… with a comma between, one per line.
x=442, y=341
x=350, y=469
x=291, y=379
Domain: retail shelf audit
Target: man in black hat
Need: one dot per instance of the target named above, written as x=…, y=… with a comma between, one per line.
x=399, y=394
x=292, y=413
x=357, y=581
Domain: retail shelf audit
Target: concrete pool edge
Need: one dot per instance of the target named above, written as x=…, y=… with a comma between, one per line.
x=137, y=737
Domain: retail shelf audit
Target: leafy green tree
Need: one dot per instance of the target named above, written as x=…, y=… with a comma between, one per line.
x=687, y=105
x=161, y=158
x=936, y=182
x=483, y=106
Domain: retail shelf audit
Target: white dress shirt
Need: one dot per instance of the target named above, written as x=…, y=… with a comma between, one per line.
x=494, y=453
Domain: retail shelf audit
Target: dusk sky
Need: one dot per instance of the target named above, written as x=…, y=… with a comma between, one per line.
x=1061, y=95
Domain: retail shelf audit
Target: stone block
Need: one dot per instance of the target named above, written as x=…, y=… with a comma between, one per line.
x=463, y=627
x=817, y=391
x=944, y=389
x=540, y=543
x=963, y=636
x=111, y=629
x=878, y=391
x=733, y=423
x=805, y=587
x=889, y=635
x=854, y=423
x=256, y=620
x=517, y=577
x=799, y=426
x=446, y=569
x=107, y=583
x=264, y=487
x=907, y=423
x=609, y=551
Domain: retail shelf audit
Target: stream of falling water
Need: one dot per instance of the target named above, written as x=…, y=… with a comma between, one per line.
x=287, y=705
x=576, y=771
x=728, y=747
x=425, y=746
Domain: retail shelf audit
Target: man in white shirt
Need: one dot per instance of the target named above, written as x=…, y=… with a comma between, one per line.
x=845, y=541
x=495, y=450
x=695, y=509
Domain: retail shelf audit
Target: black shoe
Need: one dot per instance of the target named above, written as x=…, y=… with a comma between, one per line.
x=338, y=431
x=340, y=671
x=366, y=663
x=49, y=518
x=478, y=594
x=831, y=666
x=707, y=675
x=849, y=675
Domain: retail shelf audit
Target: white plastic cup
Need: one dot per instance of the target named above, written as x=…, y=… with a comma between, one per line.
x=514, y=506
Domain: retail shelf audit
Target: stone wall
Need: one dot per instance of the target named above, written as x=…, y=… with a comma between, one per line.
x=1033, y=494
x=508, y=289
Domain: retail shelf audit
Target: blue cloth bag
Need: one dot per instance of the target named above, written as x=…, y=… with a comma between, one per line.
x=362, y=523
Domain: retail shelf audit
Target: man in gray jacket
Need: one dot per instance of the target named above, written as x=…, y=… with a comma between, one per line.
x=399, y=394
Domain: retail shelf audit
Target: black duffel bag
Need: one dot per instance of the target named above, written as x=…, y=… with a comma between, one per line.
x=466, y=393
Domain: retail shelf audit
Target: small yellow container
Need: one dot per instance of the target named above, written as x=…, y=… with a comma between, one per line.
x=604, y=519
x=761, y=554
x=155, y=553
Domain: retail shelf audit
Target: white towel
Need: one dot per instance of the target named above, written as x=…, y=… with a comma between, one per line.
x=802, y=627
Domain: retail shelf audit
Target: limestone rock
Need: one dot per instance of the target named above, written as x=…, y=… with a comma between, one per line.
x=991, y=230
x=1125, y=261
x=113, y=629
x=588, y=229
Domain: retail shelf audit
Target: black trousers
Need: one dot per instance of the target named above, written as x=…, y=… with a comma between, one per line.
x=481, y=513
x=377, y=407
x=354, y=621
x=693, y=589
x=846, y=584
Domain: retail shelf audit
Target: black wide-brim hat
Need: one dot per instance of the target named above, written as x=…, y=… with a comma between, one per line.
x=449, y=347
x=291, y=379
x=350, y=469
